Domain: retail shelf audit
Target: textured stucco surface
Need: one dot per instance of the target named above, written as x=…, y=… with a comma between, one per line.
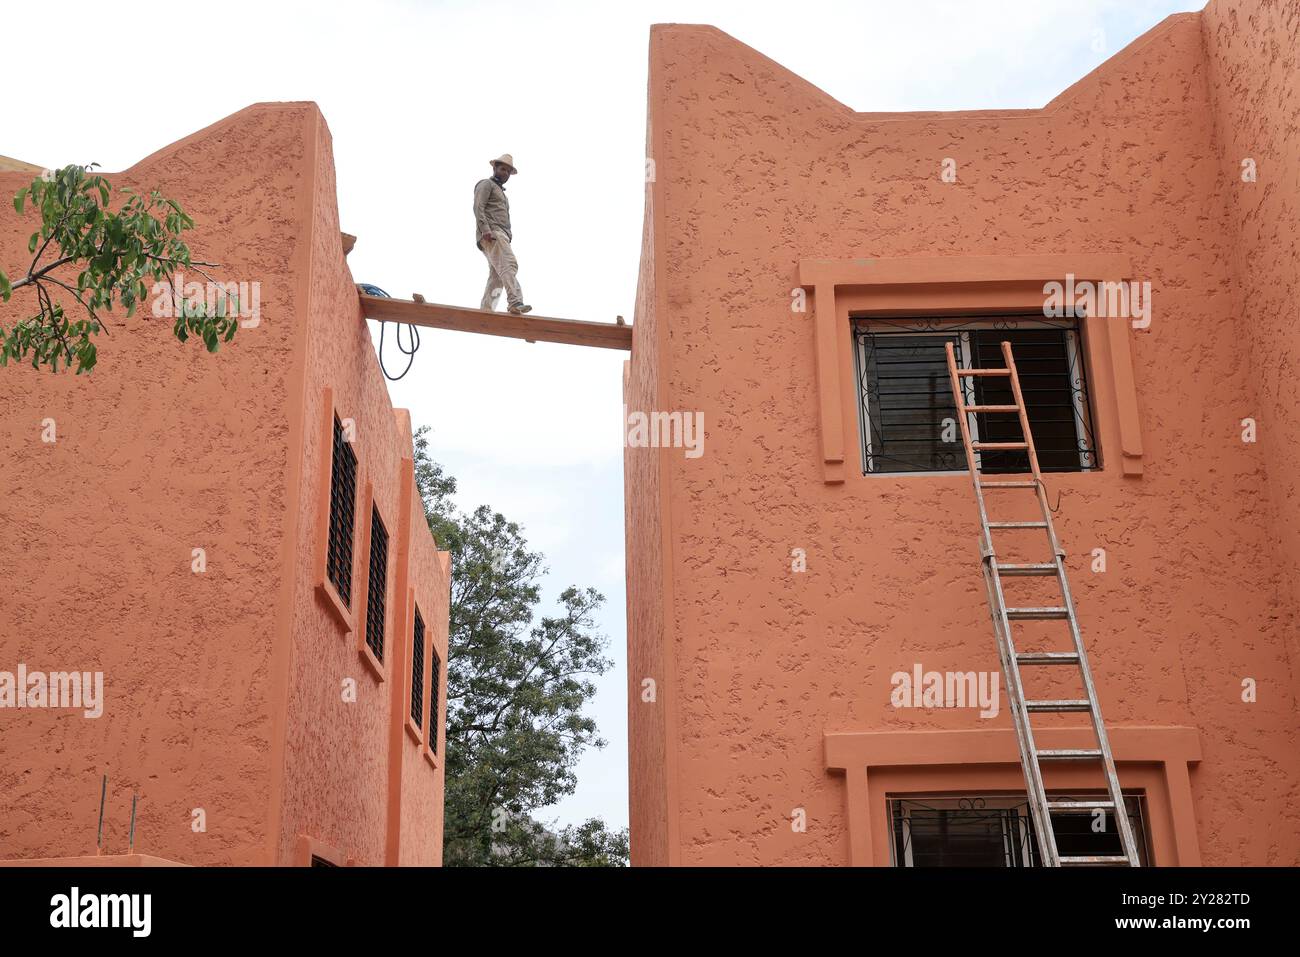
x=337, y=753
x=223, y=689
x=422, y=784
x=757, y=170
x=1255, y=94
x=648, y=771
x=162, y=449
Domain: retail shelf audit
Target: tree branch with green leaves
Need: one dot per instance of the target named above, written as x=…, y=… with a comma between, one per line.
x=122, y=256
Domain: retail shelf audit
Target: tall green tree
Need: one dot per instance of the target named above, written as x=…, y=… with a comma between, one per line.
x=118, y=255
x=517, y=684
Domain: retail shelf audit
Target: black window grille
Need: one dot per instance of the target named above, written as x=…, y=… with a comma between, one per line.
x=343, y=503
x=435, y=676
x=907, y=403
x=908, y=416
x=1051, y=381
x=997, y=831
x=376, y=599
x=318, y=861
x=417, y=672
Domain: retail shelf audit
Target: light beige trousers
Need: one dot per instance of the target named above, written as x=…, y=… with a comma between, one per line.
x=502, y=267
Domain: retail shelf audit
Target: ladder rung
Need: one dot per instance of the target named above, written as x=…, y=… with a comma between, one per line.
x=984, y=372
x=1047, y=658
x=1017, y=524
x=1038, y=614
x=990, y=408
x=1099, y=859
x=1062, y=704
x=1008, y=485
x=1026, y=570
x=1070, y=754
x=998, y=446
x=1078, y=805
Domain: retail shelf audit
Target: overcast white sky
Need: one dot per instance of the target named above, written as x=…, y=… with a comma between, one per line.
x=420, y=95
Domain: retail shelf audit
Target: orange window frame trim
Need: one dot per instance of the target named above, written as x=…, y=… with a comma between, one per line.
x=962, y=285
x=378, y=668
x=325, y=589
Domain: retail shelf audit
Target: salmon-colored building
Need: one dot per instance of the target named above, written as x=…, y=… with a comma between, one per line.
x=803, y=266
x=234, y=542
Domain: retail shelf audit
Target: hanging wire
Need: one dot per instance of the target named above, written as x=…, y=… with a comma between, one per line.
x=412, y=335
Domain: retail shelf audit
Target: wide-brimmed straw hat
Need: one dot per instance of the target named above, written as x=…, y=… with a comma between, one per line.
x=507, y=159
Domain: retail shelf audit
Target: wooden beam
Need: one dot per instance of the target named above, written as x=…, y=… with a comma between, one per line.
x=8, y=165
x=574, y=332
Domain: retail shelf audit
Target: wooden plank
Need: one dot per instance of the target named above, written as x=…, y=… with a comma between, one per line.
x=574, y=332
x=8, y=165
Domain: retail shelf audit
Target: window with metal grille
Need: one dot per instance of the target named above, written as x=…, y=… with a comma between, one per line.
x=435, y=676
x=343, y=504
x=376, y=599
x=417, y=672
x=997, y=831
x=909, y=420
x=318, y=861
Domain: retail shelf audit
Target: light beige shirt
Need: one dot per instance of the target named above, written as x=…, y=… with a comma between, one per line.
x=491, y=210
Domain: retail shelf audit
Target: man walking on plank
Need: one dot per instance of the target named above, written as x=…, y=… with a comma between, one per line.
x=492, y=224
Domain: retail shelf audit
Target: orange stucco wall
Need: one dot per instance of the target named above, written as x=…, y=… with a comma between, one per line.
x=223, y=689
x=650, y=771
x=757, y=171
x=1255, y=95
x=339, y=755
x=423, y=770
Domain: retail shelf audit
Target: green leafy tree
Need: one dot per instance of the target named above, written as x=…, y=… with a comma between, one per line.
x=590, y=844
x=517, y=684
x=121, y=256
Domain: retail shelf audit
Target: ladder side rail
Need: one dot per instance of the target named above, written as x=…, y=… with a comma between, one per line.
x=1037, y=795
x=1122, y=824
x=986, y=540
x=1090, y=691
x=1014, y=376
x=1037, y=790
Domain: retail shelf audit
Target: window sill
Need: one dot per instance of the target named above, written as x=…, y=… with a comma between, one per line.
x=309, y=847
x=884, y=475
x=430, y=757
x=377, y=670
x=325, y=590
x=991, y=476
x=413, y=731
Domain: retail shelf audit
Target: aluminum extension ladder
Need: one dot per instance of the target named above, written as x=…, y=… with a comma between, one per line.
x=1032, y=758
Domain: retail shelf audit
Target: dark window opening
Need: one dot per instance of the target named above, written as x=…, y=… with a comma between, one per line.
x=317, y=861
x=908, y=415
x=997, y=831
x=1050, y=385
x=417, y=672
x=343, y=499
x=376, y=600
x=435, y=676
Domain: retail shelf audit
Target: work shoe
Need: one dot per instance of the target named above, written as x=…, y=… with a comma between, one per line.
x=519, y=309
